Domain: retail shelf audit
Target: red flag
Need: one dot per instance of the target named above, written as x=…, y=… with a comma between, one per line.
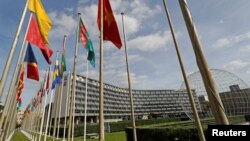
x=48, y=79
x=20, y=82
x=110, y=29
x=35, y=38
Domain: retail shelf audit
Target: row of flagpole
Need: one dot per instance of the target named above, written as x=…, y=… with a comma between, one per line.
x=9, y=111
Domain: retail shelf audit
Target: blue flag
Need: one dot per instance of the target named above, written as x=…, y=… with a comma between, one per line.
x=56, y=76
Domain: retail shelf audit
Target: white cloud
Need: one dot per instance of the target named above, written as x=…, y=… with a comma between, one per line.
x=151, y=42
x=121, y=79
x=234, y=65
x=232, y=40
x=62, y=24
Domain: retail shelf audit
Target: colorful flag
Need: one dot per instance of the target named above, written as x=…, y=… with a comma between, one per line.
x=40, y=96
x=110, y=29
x=87, y=43
x=19, y=103
x=34, y=37
x=20, y=82
x=32, y=69
x=56, y=76
x=63, y=63
x=48, y=80
x=43, y=19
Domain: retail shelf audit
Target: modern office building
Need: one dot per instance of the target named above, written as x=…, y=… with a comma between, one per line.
x=147, y=103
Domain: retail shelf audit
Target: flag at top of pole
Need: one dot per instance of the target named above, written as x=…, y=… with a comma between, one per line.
x=56, y=76
x=87, y=43
x=110, y=29
x=32, y=69
x=63, y=60
x=34, y=37
x=43, y=19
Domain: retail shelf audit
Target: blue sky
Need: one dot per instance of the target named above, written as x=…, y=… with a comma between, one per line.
x=223, y=26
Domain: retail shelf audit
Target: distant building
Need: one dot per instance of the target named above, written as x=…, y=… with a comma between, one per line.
x=147, y=103
x=236, y=101
x=234, y=92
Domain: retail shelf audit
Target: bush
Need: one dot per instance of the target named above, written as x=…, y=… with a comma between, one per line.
x=164, y=134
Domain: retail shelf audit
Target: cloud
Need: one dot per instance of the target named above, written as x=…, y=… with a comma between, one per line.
x=121, y=79
x=245, y=49
x=235, y=65
x=151, y=42
x=62, y=24
x=232, y=40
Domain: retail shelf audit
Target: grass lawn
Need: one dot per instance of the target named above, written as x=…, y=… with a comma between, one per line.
x=116, y=136
x=19, y=136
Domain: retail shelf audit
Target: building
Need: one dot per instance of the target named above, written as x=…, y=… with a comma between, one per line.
x=147, y=103
x=236, y=101
x=234, y=92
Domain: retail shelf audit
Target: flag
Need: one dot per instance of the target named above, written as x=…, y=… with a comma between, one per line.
x=43, y=19
x=56, y=76
x=40, y=96
x=63, y=63
x=87, y=43
x=20, y=82
x=110, y=29
x=32, y=69
x=48, y=80
x=34, y=37
x=19, y=103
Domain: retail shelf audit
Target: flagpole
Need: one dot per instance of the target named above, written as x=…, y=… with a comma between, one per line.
x=74, y=81
x=58, y=123
x=214, y=98
x=101, y=99
x=56, y=101
x=86, y=102
x=49, y=110
x=45, y=101
x=129, y=83
x=15, y=75
x=66, y=109
x=191, y=98
x=12, y=51
x=59, y=116
x=73, y=122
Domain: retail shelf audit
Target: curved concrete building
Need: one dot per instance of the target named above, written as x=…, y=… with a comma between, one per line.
x=147, y=103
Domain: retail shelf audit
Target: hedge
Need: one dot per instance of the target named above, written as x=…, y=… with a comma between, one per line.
x=164, y=134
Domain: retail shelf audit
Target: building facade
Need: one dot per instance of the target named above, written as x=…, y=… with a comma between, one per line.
x=147, y=103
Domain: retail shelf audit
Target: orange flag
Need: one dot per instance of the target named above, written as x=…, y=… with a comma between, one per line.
x=110, y=29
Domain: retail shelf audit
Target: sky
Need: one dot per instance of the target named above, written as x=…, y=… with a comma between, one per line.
x=223, y=27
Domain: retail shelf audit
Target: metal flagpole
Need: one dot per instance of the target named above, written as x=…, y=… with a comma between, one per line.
x=192, y=102
x=73, y=122
x=66, y=109
x=58, y=123
x=14, y=81
x=12, y=51
x=10, y=94
x=129, y=83
x=101, y=98
x=60, y=108
x=45, y=101
x=74, y=81
x=47, y=124
x=214, y=98
x=56, y=105
x=86, y=102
